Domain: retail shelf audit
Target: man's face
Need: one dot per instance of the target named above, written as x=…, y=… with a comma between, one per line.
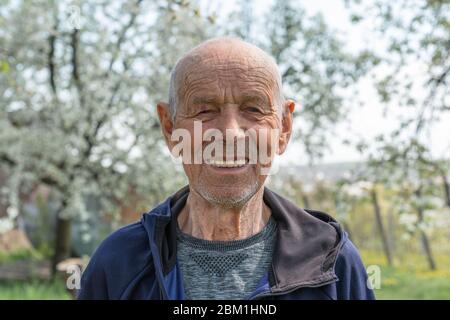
x=233, y=97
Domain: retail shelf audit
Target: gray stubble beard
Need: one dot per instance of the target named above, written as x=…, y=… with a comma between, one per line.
x=228, y=203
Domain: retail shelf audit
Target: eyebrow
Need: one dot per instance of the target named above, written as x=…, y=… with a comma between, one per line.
x=204, y=100
x=253, y=98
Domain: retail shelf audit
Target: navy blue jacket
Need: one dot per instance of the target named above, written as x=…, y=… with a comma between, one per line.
x=313, y=258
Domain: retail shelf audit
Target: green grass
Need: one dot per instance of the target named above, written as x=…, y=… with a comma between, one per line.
x=27, y=254
x=33, y=290
x=410, y=278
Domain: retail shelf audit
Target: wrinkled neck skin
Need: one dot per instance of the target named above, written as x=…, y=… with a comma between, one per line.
x=207, y=221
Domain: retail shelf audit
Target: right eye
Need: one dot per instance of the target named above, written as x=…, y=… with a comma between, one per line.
x=205, y=111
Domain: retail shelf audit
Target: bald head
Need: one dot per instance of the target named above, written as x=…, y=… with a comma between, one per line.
x=223, y=58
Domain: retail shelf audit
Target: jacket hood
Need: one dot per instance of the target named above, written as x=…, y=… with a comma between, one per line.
x=307, y=246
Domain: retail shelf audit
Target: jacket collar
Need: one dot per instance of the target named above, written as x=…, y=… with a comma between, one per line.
x=307, y=246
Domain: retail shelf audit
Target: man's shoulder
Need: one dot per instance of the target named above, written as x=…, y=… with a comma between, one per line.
x=127, y=241
x=349, y=257
x=118, y=260
x=352, y=273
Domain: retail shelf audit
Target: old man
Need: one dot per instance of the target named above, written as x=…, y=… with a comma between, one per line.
x=226, y=235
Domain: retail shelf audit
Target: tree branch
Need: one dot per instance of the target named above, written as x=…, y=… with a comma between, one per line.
x=122, y=35
x=51, y=60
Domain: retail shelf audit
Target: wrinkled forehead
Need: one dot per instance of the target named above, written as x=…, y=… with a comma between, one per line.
x=215, y=71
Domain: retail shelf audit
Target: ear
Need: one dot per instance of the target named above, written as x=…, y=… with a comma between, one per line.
x=286, y=125
x=166, y=122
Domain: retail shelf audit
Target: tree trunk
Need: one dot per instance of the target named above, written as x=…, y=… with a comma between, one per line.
x=446, y=184
x=63, y=241
x=391, y=227
x=424, y=238
x=380, y=226
x=427, y=249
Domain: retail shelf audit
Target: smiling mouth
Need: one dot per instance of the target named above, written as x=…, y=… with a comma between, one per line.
x=228, y=163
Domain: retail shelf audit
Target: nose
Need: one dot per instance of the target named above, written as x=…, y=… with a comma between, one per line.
x=230, y=121
x=232, y=126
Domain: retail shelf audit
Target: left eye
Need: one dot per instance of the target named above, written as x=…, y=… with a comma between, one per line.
x=252, y=109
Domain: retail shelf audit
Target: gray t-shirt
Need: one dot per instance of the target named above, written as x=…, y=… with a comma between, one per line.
x=225, y=269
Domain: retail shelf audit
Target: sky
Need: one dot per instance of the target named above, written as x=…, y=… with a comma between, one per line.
x=366, y=121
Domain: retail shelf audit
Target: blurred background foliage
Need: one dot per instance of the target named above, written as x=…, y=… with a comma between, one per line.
x=81, y=152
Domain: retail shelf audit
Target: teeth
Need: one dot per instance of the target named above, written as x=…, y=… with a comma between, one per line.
x=227, y=164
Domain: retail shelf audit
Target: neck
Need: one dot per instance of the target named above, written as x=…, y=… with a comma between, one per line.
x=201, y=219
